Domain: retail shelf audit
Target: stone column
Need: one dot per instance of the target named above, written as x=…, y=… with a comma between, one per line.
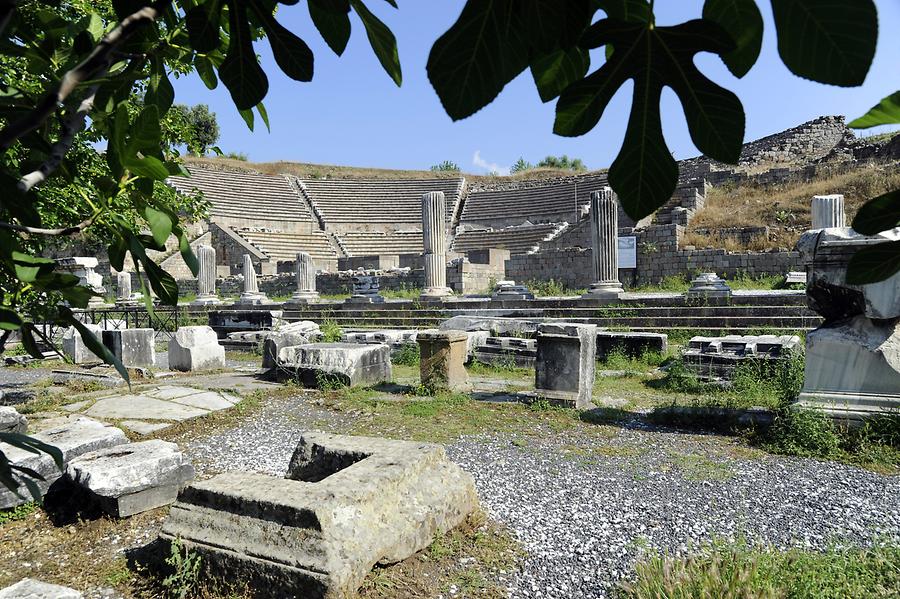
x=434, y=235
x=604, y=217
x=828, y=212
x=206, y=277
x=251, y=294
x=123, y=289
x=306, y=280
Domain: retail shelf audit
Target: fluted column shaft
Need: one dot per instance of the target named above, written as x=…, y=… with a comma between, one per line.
x=828, y=211
x=250, y=285
x=434, y=236
x=123, y=285
x=604, y=215
x=206, y=276
x=306, y=278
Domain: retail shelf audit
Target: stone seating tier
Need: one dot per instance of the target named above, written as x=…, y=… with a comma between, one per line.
x=359, y=243
x=518, y=240
x=375, y=201
x=246, y=196
x=555, y=201
x=281, y=246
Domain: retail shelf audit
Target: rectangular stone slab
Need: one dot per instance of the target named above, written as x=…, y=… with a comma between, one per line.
x=79, y=437
x=351, y=363
x=372, y=501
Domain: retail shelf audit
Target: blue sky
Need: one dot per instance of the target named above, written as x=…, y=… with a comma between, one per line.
x=353, y=114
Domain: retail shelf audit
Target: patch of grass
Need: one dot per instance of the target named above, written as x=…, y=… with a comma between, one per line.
x=402, y=292
x=698, y=467
x=331, y=331
x=746, y=281
x=618, y=359
x=807, y=433
x=20, y=512
x=504, y=366
x=741, y=570
x=671, y=283
x=552, y=288
x=468, y=558
x=243, y=356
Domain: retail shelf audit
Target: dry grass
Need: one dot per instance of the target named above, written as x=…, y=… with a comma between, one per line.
x=716, y=240
x=784, y=208
x=329, y=171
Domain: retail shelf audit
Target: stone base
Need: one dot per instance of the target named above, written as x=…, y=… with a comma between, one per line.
x=849, y=406
x=604, y=291
x=195, y=348
x=206, y=300
x=435, y=294
x=252, y=299
x=350, y=363
x=304, y=297
x=347, y=503
x=364, y=299
x=565, y=363
x=443, y=357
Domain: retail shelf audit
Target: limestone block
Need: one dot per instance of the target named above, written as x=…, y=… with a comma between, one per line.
x=195, y=348
x=29, y=588
x=853, y=368
x=11, y=421
x=73, y=439
x=277, y=340
x=565, y=363
x=73, y=346
x=351, y=363
x=347, y=503
x=827, y=253
x=133, y=478
x=708, y=284
x=136, y=348
x=442, y=359
x=497, y=326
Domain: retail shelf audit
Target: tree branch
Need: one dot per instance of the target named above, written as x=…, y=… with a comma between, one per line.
x=97, y=62
x=71, y=127
x=64, y=231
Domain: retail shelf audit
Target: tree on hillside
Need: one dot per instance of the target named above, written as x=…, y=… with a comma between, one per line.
x=521, y=165
x=202, y=126
x=563, y=162
x=86, y=72
x=447, y=166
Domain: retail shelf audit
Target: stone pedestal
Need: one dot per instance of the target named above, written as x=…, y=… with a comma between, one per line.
x=346, y=504
x=124, y=296
x=366, y=290
x=206, y=277
x=443, y=355
x=306, y=280
x=83, y=268
x=73, y=346
x=251, y=294
x=135, y=348
x=565, y=363
x=195, y=348
x=434, y=236
x=828, y=212
x=508, y=290
x=708, y=284
x=604, y=215
x=853, y=360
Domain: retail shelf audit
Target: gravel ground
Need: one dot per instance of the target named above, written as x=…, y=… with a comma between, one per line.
x=586, y=507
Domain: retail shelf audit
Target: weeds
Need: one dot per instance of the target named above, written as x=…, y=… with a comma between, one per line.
x=551, y=288
x=740, y=570
x=331, y=331
x=186, y=564
x=20, y=512
x=407, y=355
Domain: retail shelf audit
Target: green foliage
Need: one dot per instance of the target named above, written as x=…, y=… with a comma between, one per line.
x=551, y=288
x=521, y=165
x=237, y=156
x=743, y=570
x=491, y=43
x=202, y=126
x=329, y=382
x=182, y=582
x=20, y=512
x=331, y=331
x=563, y=162
x=447, y=166
x=804, y=433
x=407, y=355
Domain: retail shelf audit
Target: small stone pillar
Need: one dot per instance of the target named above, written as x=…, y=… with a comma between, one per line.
x=434, y=235
x=206, y=276
x=604, y=217
x=442, y=360
x=251, y=294
x=123, y=289
x=828, y=212
x=306, y=280
x=565, y=363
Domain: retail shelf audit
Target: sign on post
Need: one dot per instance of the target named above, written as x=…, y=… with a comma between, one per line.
x=627, y=252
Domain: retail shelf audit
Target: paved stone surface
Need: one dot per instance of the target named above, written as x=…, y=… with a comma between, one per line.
x=169, y=403
x=143, y=427
x=29, y=588
x=583, y=515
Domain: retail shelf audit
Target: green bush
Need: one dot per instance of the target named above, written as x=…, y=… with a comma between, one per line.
x=331, y=331
x=447, y=166
x=407, y=355
x=804, y=433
